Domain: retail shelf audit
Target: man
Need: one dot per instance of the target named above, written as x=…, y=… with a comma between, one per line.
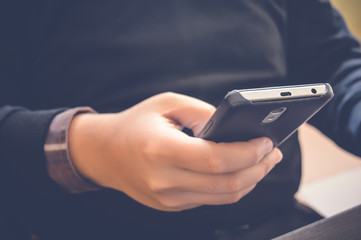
x=130, y=172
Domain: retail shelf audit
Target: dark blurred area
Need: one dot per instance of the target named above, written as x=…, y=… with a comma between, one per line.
x=11, y=229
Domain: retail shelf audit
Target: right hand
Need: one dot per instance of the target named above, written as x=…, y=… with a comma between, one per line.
x=143, y=153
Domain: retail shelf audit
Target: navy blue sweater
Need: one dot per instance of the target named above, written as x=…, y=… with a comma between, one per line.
x=112, y=54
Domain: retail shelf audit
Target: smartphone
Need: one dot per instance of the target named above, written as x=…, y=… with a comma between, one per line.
x=274, y=112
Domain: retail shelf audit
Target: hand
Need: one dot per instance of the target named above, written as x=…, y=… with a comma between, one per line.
x=143, y=153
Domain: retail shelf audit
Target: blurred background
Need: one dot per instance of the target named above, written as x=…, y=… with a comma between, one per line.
x=331, y=180
x=351, y=9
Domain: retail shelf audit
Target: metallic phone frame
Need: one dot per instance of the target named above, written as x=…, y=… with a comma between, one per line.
x=278, y=93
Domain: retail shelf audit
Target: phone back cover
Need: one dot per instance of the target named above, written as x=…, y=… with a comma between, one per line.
x=237, y=119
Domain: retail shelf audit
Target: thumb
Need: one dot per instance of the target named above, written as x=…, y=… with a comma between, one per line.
x=190, y=112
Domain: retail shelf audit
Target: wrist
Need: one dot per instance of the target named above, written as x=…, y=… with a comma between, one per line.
x=88, y=137
x=80, y=142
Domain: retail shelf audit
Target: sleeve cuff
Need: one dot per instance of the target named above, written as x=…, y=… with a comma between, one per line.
x=59, y=164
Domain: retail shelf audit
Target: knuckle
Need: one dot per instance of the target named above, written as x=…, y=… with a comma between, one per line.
x=153, y=186
x=168, y=95
x=233, y=185
x=150, y=150
x=169, y=203
x=235, y=197
x=210, y=109
x=248, y=190
x=215, y=164
x=157, y=186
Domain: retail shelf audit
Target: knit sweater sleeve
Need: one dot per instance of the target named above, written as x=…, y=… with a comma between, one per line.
x=323, y=50
x=22, y=158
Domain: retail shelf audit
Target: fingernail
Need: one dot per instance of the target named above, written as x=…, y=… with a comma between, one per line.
x=268, y=145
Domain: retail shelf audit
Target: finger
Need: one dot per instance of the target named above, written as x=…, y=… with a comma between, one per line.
x=196, y=154
x=222, y=183
x=177, y=201
x=204, y=156
x=187, y=111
